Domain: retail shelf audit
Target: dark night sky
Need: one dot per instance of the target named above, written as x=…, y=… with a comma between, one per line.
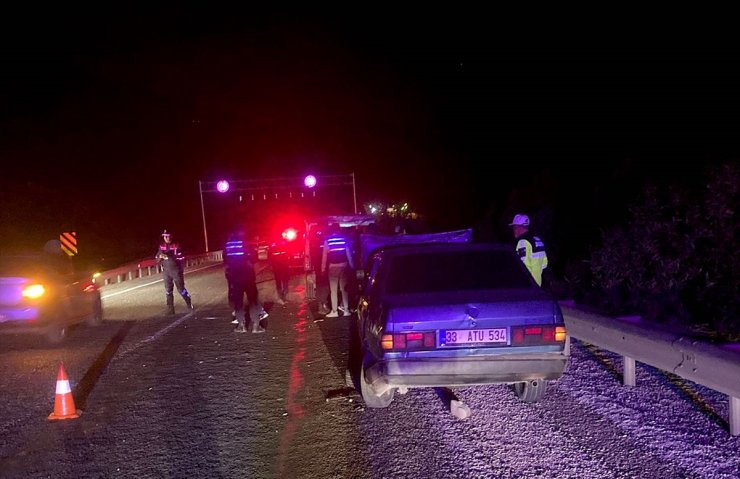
x=109, y=119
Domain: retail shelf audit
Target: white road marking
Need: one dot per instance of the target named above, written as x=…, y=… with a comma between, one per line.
x=160, y=333
x=164, y=330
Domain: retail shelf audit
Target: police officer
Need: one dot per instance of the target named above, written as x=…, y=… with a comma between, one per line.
x=530, y=248
x=170, y=258
x=337, y=257
x=239, y=261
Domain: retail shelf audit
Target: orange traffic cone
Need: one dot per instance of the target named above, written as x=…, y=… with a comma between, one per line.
x=64, y=404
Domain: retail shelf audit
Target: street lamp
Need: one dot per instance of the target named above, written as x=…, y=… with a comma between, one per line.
x=309, y=181
x=223, y=186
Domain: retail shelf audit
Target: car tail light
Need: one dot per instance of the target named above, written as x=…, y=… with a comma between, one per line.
x=532, y=335
x=290, y=234
x=411, y=341
x=89, y=288
x=34, y=291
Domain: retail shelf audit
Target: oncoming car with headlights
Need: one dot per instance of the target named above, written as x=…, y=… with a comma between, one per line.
x=453, y=315
x=41, y=294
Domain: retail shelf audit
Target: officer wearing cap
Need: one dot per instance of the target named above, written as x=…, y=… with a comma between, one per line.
x=170, y=258
x=530, y=248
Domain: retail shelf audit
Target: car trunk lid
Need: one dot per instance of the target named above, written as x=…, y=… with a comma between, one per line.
x=468, y=310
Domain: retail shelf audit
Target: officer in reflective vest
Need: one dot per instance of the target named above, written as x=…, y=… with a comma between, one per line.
x=530, y=248
x=170, y=258
x=337, y=258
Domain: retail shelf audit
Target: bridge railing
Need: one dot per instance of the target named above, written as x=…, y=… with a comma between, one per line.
x=716, y=366
x=149, y=267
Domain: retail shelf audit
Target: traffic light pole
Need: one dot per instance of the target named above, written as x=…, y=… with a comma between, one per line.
x=270, y=184
x=203, y=213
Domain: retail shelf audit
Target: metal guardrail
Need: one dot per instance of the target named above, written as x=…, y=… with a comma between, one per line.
x=716, y=366
x=149, y=267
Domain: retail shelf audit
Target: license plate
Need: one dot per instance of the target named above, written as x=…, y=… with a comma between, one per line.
x=456, y=337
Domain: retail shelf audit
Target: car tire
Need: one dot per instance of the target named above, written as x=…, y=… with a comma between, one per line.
x=56, y=333
x=531, y=391
x=96, y=318
x=372, y=399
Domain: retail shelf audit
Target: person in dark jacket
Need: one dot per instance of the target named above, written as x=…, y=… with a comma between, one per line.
x=280, y=270
x=239, y=261
x=172, y=262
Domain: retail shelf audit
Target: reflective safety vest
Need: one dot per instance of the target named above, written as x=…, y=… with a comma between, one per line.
x=531, y=251
x=337, y=249
x=237, y=254
x=234, y=248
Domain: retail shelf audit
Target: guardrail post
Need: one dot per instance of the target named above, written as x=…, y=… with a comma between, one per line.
x=119, y=278
x=734, y=416
x=628, y=375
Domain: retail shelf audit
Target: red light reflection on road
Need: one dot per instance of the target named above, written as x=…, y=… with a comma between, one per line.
x=295, y=384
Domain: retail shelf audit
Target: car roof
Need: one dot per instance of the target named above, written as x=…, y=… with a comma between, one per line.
x=402, y=249
x=451, y=267
x=15, y=264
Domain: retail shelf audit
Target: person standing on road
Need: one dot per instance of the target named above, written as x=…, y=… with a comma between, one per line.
x=280, y=270
x=337, y=257
x=239, y=262
x=171, y=259
x=530, y=248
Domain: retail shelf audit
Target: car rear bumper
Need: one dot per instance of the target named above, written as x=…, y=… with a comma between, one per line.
x=20, y=314
x=448, y=372
x=22, y=320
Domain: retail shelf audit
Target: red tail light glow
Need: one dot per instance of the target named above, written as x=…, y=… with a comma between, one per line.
x=415, y=340
x=534, y=335
x=290, y=234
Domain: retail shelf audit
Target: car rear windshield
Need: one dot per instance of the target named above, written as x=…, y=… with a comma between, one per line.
x=472, y=270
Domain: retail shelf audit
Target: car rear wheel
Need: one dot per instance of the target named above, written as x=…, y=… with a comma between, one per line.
x=56, y=333
x=97, y=315
x=531, y=391
x=370, y=397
